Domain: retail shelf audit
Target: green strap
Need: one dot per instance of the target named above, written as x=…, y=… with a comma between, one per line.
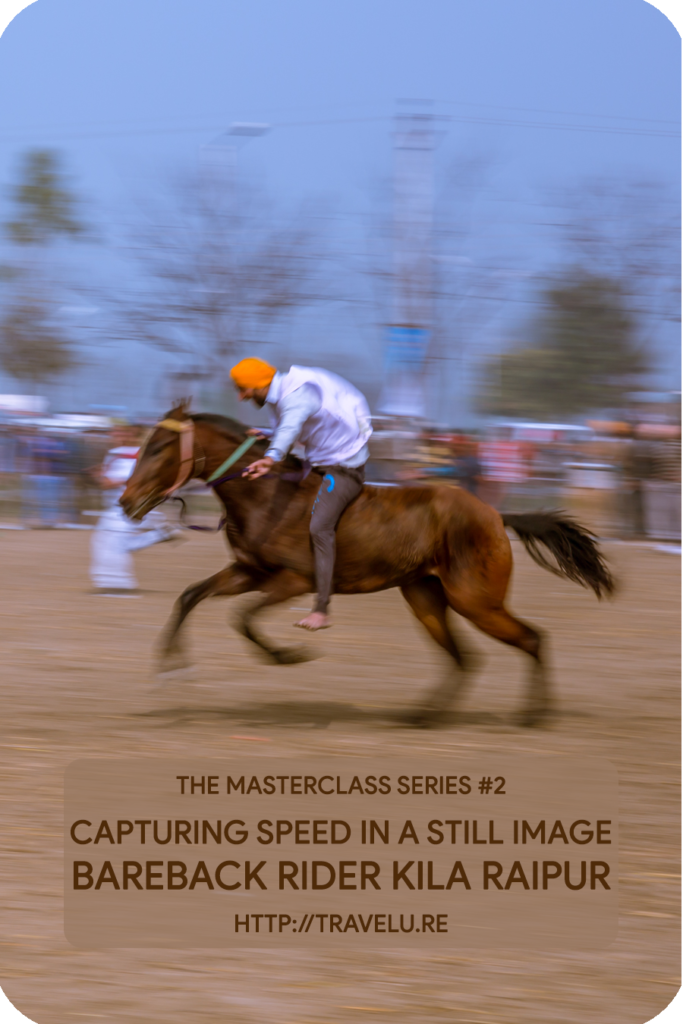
x=232, y=459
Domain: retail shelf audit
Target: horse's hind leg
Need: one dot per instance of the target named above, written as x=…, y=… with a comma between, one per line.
x=227, y=583
x=496, y=621
x=278, y=588
x=428, y=603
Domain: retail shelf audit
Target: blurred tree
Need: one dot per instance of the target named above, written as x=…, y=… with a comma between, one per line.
x=31, y=348
x=629, y=232
x=586, y=356
x=613, y=300
x=44, y=207
x=31, y=345
x=218, y=270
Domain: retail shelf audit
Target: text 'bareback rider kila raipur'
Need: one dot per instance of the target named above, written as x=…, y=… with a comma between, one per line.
x=331, y=419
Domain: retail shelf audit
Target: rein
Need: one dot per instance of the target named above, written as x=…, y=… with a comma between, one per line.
x=230, y=461
x=192, y=526
x=298, y=477
x=185, y=430
x=221, y=477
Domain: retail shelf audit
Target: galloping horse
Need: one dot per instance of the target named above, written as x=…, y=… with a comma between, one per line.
x=442, y=546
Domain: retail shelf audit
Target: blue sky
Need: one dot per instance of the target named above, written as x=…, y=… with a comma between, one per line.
x=545, y=95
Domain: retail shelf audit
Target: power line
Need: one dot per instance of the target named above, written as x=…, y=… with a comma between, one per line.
x=463, y=119
x=561, y=113
x=272, y=115
x=198, y=128
x=593, y=129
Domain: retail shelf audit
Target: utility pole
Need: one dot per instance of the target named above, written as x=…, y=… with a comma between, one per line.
x=219, y=178
x=408, y=333
x=219, y=157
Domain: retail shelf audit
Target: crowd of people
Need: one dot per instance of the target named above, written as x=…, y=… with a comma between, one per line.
x=632, y=471
x=47, y=472
x=72, y=478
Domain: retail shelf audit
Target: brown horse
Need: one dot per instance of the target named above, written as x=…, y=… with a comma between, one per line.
x=442, y=546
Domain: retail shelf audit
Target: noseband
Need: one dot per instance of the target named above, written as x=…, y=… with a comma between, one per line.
x=185, y=428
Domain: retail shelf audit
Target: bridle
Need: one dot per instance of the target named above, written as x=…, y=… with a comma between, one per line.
x=188, y=464
x=188, y=467
x=191, y=466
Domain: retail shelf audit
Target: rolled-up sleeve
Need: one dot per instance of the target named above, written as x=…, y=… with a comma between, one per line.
x=293, y=411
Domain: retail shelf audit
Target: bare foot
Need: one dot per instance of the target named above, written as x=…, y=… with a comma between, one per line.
x=316, y=620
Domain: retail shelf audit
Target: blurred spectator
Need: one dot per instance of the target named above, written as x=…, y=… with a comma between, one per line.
x=9, y=449
x=43, y=459
x=432, y=458
x=636, y=468
x=453, y=459
x=503, y=463
x=468, y=469
x=69, y=478
x=115, y=537
x=662, y=491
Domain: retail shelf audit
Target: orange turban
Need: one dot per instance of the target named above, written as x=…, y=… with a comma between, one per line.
x=252, y=373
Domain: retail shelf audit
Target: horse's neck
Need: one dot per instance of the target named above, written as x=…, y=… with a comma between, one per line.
x=241, y=499
x=216, y=449
x=237, y=495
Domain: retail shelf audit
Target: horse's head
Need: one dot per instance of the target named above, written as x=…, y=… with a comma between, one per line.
x=165, y=463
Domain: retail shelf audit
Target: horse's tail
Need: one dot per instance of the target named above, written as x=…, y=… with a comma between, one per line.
x=577, y=555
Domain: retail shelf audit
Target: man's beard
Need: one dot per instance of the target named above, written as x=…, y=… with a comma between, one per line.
x=257, y=400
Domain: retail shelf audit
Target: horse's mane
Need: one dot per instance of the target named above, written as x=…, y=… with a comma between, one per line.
x=225, y=422
x=231, y=426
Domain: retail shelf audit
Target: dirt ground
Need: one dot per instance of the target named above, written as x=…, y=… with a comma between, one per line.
x=77, y=683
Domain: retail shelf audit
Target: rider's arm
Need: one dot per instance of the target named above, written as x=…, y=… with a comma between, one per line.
x=102, y=474
x=293, y=411
x=116, y=469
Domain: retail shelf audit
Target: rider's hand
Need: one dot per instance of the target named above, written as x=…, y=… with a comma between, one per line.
x=255, y=432
x=259, y=468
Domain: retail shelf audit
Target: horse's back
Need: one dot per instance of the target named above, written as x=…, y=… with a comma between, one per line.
x=444, y=505
x=392, y=534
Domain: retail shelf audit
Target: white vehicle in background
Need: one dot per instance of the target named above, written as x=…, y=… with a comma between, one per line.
x=24, y=405
x=540, y=433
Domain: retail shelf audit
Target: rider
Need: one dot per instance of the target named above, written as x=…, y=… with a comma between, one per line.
x=331, y=419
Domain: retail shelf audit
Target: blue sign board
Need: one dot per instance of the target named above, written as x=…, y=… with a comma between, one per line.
x=406, y=348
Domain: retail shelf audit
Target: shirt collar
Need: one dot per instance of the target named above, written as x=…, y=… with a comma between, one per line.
x=275, y=388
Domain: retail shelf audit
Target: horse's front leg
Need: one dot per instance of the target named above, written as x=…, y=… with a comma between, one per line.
x=230, y=582
x=278, y=588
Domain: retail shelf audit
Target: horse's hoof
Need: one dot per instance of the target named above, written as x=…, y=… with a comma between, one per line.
x=293, y=655
x=427, y=718
x=534, y=718
x=167, y=673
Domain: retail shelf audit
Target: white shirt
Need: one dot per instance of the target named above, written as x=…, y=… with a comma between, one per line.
x=293, y=411
x=117, y=467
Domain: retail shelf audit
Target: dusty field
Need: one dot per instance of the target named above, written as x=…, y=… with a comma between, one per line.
x=77, y=683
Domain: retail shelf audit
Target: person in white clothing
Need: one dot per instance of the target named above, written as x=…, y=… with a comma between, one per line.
x=116, y=536
x=330, y=418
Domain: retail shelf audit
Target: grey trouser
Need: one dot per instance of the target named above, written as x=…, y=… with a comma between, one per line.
x=339, y=487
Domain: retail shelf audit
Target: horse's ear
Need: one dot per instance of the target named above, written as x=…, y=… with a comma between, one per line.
x=181, y=407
